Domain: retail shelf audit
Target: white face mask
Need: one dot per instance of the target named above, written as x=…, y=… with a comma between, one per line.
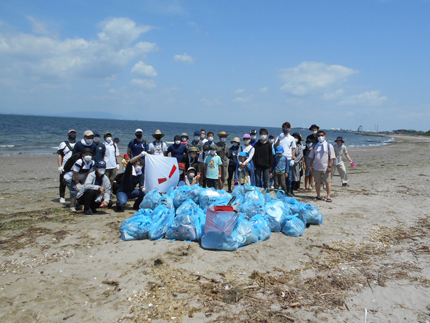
x=96, y=139
x=246, y=142
x=178, y=142
x=191, y=175
x=212, y=152
x=271, y=141
x=235, y=144
x=211, y=139
x=89, y=141
x=137, y=169
x=253, y=137
x=263, y=137
x=184, y=138
x=315, y=132
x=108, y=140
x=309, y=144
x=321, y=139
x=223, y=139
x=88, y=158
x=296, y=140
x=102, y=171
x=196, y=138
x=202, y=136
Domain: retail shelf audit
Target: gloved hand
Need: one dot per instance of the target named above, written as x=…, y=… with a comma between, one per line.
x=61, y=169
x=143, y=154
x=79, y=187
x=292, y=162
x=117, y=166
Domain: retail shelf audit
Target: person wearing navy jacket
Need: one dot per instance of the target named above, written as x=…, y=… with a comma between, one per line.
x=177, y=150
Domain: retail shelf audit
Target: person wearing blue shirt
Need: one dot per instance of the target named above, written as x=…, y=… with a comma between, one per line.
x=137, y=145
x=86, y=142
x=100, y=148
x=177, y=150
x=233, y=154
x=253, y=137
x=280, y=169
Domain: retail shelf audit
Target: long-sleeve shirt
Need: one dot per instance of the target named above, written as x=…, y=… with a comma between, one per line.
x=280, y=164
x=90, y=184
x=263, y=156
x=249, y=150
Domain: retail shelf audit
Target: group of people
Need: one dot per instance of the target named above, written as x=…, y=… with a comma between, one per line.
x=89, y=167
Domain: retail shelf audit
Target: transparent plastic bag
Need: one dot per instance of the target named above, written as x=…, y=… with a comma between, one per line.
x=254, y=195
x=275, y=215
x=184, y=227
x=207, y=197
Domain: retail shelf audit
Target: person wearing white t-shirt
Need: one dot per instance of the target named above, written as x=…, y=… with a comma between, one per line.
x=289, y=144
x=158, y=147
x=111, y=157
x=64, y=152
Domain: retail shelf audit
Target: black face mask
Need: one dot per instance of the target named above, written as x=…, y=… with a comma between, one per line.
x=138, y=136
x=158, y=137
x=72, y=136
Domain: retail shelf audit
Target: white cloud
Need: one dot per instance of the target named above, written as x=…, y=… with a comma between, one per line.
x=145, y=84
x=210, y=102
x=263, y=90
x=333, y=95
x=313, y=78
x=39, y=27
x=52, y=58
x=145, y=70
x=185, y=58
x=239, y=91
x=241, y=99
x=369, y=98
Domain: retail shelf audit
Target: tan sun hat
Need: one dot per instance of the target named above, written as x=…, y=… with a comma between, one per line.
x=184, y=134
x=71, y=130
x=88, y=133
x=158, y=132
x=235, y=139
x=222, y=134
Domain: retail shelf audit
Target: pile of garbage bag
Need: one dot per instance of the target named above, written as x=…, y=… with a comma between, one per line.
x=217, y=219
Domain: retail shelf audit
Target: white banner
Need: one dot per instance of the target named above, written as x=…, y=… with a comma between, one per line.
x=161, y=173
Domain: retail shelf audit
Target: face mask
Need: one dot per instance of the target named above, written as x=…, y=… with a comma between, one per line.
x=296, y=140
x=137, y=169
x=223, y=139
x=88, y=158
x=253, y=137
x=246, y=142
x=196, y=138
x=315, y=132
x=271, y=141
x=235, y=144
x=72, y=136
x=211, y=139
x=309, y=145
x=212, y=152
x=102, y=171
x=178, y=142
x=191, y=175
x=158, y=137
x=108, y=140
x=184, y=139
x=96, y=139
x=202, y=136
x=138, y=136
x=321, y=139
x=285, y=131
x=89, y=141
x=263, y=137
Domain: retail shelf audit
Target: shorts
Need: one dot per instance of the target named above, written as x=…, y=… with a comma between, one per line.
x=308, y=171
x=111, y=173
x=72, y=188
x=321, y=177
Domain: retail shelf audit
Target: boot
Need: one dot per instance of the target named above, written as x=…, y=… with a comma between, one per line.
x=288, y=192
x=291, y=192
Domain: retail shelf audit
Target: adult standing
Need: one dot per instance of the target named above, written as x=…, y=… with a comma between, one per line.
x=222, y=151
x=137, y=145
x=157, y=147
x=100, y=148
x=263, y=159
x=196, y=140
x=64, y=152
x=177, y=149
x=111, y=156
x=340, y=150
x=313, y=136
x=254, y=139
x=184, y=139
x=249, y=150
x=298, y=162
x=116, y=143
x=202, y=141
x=289, y=144
x=86, y=142
x=322, y=156
x=233, y=155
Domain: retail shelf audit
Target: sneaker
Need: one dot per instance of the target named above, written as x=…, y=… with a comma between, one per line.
x=119, y=208
x=88, y=212
x=72, y=209
x=62, y=200
x=345, y=185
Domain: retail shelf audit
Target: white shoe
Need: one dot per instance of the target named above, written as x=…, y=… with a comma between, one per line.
x=62, y=200
x=72, y=209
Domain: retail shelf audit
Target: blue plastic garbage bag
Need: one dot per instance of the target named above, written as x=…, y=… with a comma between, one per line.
x=202, y=220
x=239, y=190
x=267, y=198
x=244, y=231
x=224, y=193
x=207, y=197
x=185, y=227
x=145, y=212
x=254, y=196
x=136, y=228
x=188, y=207
x=298, y=209
x=275, y=215
x=290, y=200
x=166, y=200
x=220, y=222
x=252, y=208
x=312, y=214
x=293, y=227
x=280, y=195
x=151, y=200
x=164, y=218
x=261, y=227
x=184, y=192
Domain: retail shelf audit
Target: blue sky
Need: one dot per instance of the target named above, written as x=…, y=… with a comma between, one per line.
x=340, y=64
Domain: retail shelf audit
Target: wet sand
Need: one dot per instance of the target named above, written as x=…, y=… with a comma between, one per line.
x=372, y=252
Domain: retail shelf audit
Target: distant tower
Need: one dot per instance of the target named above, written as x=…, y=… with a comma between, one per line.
x=360, y=128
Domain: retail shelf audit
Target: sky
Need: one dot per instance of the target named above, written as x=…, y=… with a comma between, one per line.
x=336, y=63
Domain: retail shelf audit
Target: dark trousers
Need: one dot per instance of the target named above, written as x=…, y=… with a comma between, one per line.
x=122, y=197
x=88, y=200
x=212, y=183
x=62, y=186
x=266, y=177
x=279, y=179
x=231, y=174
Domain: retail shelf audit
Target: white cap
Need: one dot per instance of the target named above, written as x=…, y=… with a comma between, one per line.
x=138, y=130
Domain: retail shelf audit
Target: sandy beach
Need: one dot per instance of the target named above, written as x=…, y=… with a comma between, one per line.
x=371, y=254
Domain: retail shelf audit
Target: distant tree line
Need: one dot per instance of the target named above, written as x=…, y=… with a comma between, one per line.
x=412, y=132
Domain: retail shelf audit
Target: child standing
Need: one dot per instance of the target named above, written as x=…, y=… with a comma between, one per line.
x=243, y=174
x=125, y=161
x=212, y=169
x=280, y=169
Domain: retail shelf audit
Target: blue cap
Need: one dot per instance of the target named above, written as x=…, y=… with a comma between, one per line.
x=242, y=154
x=196, y=133
x=96, y=134
x=101, y=164
x=279, y=150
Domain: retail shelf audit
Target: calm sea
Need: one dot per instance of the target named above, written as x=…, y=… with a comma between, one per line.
x=36, y=135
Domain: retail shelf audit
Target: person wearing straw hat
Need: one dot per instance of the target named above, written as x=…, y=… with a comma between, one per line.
x=184, y=139
x=222, y=151
x=340, y=150
x=233, y=154
x=157, y=147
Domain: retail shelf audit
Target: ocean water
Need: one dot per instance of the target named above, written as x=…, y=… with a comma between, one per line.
x=37, y=135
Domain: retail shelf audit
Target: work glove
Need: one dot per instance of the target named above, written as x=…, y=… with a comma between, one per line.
x=117, y=166
x=292, y=162
x=61, y=169
x=79, y=187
